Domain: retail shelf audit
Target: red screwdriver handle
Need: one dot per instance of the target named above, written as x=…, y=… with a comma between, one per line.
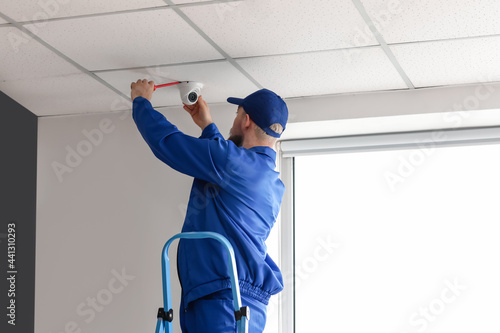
x=166, y=85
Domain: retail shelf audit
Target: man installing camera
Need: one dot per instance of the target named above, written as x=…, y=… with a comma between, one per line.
x=236, y=192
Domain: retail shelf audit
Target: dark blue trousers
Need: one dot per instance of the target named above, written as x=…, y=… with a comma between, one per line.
x=214, y=313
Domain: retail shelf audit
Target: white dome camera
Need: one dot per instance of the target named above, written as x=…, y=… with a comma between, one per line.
x=190, y=91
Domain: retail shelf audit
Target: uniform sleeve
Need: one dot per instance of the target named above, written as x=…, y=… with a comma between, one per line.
x=204, y=158
x=211, y=132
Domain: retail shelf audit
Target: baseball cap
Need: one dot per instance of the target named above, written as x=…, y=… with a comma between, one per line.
x=264, y=108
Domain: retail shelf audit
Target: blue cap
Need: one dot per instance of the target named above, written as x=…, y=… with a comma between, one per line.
x=264, y=108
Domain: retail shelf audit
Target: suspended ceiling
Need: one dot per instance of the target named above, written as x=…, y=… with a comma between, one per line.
x=67, y=57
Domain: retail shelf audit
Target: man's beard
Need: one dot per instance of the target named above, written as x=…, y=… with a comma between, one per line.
x=237, y=140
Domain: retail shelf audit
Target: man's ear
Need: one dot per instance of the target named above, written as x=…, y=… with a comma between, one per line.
x=247, y=122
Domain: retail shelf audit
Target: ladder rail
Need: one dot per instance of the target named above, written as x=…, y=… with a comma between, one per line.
x=165, y=325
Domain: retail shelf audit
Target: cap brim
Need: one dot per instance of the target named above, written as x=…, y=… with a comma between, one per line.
x=234, y=100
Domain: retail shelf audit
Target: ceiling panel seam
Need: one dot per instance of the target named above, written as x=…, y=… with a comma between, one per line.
x=342, y=49
x=444, y=39
x=226, y=60
x=211, y=42
x=383, y=44
x=62, y=55
x=159, y=66
x=126, y=11
x=293, y=53
x=106, y=70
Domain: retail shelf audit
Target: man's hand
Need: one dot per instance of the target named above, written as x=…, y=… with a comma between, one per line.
x=200, y=113
x=142, y=88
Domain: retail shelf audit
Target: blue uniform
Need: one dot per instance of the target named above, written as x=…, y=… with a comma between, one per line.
x=236, y=192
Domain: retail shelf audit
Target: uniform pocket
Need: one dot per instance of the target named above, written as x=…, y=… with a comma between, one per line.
x=210, y=315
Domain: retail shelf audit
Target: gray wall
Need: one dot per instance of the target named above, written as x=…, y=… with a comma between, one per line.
x=18, y=148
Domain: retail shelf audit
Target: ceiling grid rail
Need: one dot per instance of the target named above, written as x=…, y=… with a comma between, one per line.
x=214, y=45
x=62, y=55
x=383, y=44
x=126, y=11
x=19, y=25
x=225, y=57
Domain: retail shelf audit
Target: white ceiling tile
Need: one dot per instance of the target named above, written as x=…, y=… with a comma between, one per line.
x=450, y=62
x=71, y=94
x=262, y=27
x=322, y=73
x=220, y=79
x=420, y=20
x=25, y=58
x=31, y=10
x=127, y=40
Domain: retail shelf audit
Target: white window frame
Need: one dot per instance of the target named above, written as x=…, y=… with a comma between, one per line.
x=345, y=144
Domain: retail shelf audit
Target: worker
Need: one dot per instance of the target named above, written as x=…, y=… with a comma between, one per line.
x=236, y=192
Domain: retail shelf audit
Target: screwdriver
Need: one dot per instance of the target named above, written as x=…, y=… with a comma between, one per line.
x=166, y=84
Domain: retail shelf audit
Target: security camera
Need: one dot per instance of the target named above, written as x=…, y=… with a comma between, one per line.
x=190, y=91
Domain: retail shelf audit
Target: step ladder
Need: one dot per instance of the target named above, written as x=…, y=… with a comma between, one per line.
x=242, y=314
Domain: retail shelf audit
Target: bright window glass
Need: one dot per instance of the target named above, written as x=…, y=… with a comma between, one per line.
x=402, y=241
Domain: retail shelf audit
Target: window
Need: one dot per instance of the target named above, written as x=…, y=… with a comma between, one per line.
x=399, y=241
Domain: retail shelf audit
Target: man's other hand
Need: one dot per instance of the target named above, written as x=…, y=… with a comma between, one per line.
x=142, y=88
x=200, y=113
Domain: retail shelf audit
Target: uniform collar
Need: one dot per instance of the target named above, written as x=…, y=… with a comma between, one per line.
x=263, y=150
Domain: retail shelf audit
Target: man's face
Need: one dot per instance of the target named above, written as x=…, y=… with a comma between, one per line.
x=236, y=134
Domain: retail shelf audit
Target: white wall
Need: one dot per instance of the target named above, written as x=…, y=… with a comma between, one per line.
x=466, y=97
x=114, y=211
x=119, y=204
x=470, y=105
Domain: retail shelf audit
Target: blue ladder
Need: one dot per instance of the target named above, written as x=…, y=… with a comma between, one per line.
x=242, y=314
